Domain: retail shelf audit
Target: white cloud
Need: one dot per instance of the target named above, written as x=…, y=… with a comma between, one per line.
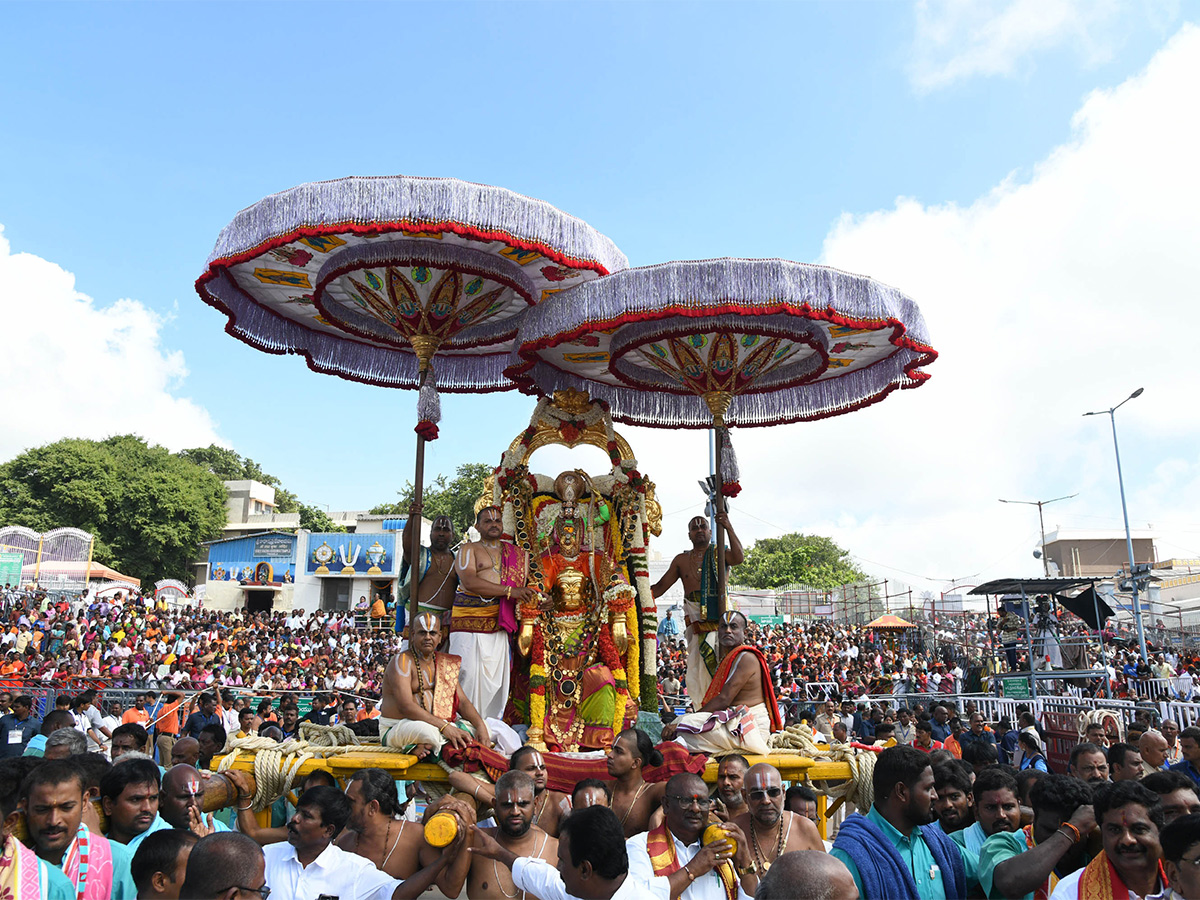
x=958, y=39
x=1046, y=298
x=71, y=367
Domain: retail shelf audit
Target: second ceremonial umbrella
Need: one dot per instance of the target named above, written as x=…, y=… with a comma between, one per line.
x=722, y=342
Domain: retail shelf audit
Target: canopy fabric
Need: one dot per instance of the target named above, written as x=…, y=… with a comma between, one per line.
x=347, y=272
x=885, y=622
x=779, y=341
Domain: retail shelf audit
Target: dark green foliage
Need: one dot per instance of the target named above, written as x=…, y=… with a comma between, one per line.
x=797, y=559
x=149, y=510
x=454, y=498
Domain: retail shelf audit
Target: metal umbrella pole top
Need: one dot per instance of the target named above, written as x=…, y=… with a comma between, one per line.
x=1137, y=608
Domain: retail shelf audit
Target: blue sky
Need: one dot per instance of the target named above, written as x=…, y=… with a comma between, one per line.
x=133, y=133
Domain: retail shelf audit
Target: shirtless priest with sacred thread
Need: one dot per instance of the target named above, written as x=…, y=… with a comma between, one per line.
x=697, y=570
x=739, y=711
x=515, y=830
x=492, y=578
x=423, y=703
x=434, y=572
x=773, y=831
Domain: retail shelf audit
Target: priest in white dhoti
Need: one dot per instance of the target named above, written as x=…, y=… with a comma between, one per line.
x=492, y=576
x=740, y=711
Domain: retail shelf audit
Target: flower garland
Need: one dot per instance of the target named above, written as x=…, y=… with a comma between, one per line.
x=625, y=488
x=633, y=685
x=537, y=681
x=610, y=657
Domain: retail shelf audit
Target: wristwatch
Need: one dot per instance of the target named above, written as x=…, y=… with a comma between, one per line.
x=751, y=869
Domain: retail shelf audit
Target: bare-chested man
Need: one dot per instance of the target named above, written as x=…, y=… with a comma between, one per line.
x=515, y=831
x=697, y=570
x=773, y=830
x=730, y=800
x=741, y=691
x=423, y=703
x=376, y=831
x=633, y=798
x=436, y=578
x=492, y=574
x=549, y=807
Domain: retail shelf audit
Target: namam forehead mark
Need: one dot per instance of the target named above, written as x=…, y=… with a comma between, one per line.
x=758, y=778
x=535, y=758
x=428, y=622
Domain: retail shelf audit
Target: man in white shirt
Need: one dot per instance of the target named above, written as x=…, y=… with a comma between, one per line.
x=673, y=849
x=593, y=863
x=1129, y=816
x=309, y=865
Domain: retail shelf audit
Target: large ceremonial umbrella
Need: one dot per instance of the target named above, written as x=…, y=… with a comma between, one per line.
x=725, y=342
x=890, y=623
x=370, y=279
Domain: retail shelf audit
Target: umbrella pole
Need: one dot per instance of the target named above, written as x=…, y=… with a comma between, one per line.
x=424, y=347
x=722, y=569
x=414, y=552
x=718, y=404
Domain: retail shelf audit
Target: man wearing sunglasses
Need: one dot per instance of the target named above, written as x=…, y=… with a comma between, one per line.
x=773, y=831
x=720, y=870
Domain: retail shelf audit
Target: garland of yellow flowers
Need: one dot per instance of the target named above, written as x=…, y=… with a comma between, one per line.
x=634, y=685
x=609, y=655
x=537, y=679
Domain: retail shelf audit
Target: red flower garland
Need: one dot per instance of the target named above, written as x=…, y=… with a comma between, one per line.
x=427, y=429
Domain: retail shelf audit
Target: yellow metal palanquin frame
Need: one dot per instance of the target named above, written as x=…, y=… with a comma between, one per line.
x=402, y=766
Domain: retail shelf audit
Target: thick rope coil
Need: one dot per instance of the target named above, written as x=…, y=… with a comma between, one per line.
x=857, y=789
x=1102, y=717
x=277, y=765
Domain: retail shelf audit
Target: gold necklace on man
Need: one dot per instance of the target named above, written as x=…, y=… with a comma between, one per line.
x=759, y=856
x=422, y=686
x=493, y=549
x=537, y=813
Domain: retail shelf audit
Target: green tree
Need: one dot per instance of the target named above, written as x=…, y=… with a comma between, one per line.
x=806, y=559
x=228, y=465
x=148, y=509
x=453, y=497
x=316, y=519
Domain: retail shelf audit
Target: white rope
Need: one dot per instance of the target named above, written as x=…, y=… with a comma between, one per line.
x=276, y=765
x=857, y=789
x=1101, y=717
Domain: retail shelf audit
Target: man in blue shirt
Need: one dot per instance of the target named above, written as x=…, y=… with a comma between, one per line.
x=977, y=734
x=1189, y=744
x=18, y=727
x=205, y=715
x=891, y=851
x=941, y=723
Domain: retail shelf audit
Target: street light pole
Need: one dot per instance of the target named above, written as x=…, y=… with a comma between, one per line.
x=1137, y=608
x=1042, y=522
